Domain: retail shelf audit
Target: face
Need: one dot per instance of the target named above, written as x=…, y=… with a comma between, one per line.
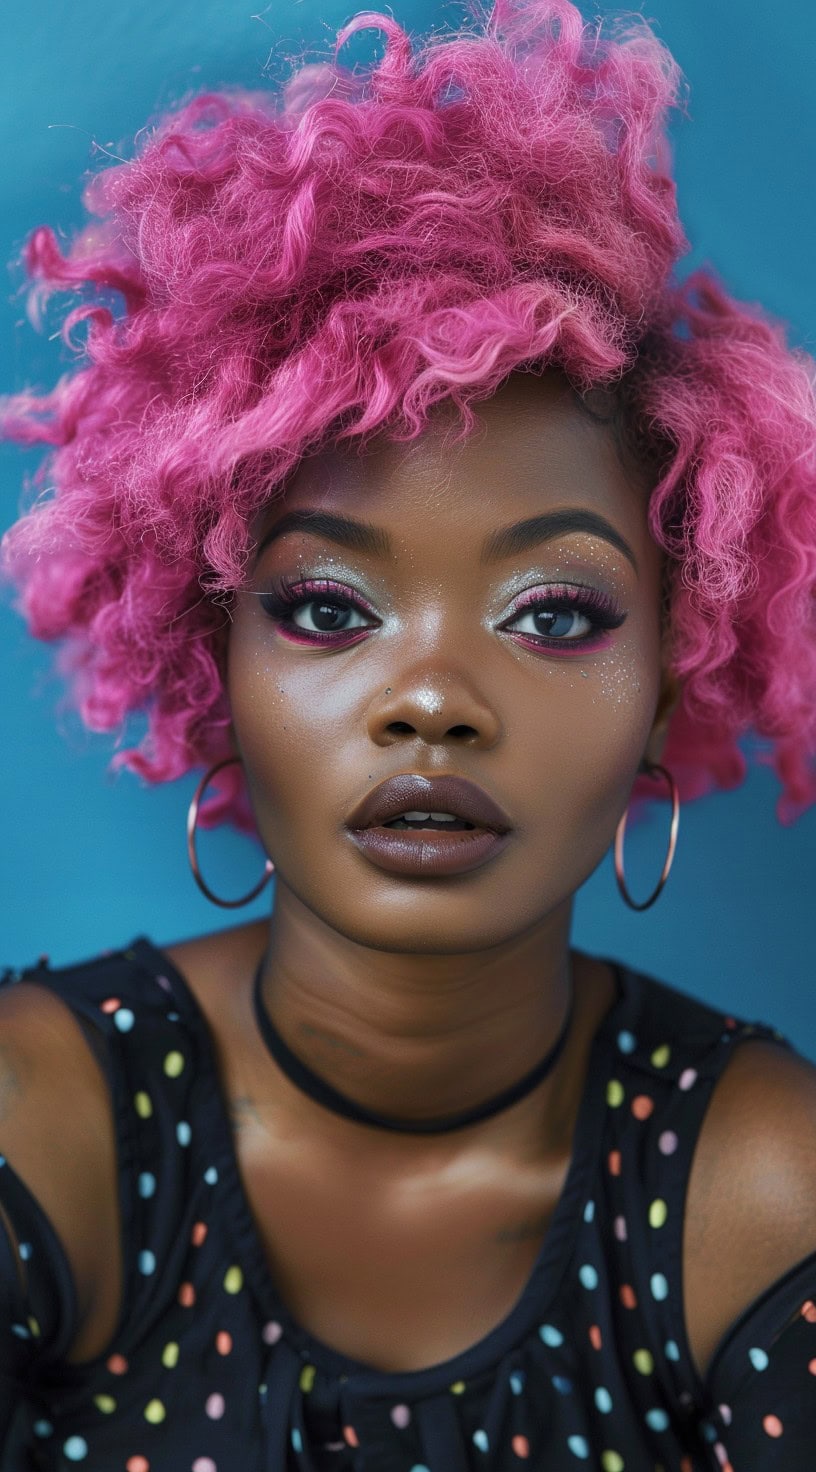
x=535, y=671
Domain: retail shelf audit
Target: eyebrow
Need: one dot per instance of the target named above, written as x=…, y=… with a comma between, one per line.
x=361, y=536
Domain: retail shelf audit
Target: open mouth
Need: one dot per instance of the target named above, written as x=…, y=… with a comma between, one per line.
x=429, y=822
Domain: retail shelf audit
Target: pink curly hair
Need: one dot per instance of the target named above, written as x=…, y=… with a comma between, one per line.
x=331, y=262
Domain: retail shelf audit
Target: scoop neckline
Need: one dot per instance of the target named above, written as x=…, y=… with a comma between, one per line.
x=545, y=1276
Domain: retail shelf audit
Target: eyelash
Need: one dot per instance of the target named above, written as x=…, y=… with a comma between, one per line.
x=603, y=613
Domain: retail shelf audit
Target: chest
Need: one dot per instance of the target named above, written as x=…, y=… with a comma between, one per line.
x=399, y=1270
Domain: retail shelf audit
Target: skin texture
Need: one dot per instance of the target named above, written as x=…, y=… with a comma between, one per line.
x=424, y=996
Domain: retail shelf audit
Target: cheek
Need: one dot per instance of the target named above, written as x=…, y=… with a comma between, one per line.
x=287, y=724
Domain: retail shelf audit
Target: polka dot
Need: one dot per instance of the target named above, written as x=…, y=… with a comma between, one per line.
x=661, y=1056
x=117, y=1364
x=603, y=1400
x=174, y=1064
x=614, y=1162
x=271, y=1332
x=183, y=1132
x=307, y=1378
x=43, y=1428
x=297, y=1440
x=758, y=1359
x=204, y=1464
x=211, y=1175
x=642, y=1106
x=589, y=1211
x=124, y=1019
x=163, y=982
x=233, y=1279
x=105, y=1404
x=671, y=1349
x=109, y=1005
x=615, y=1093
x=457, y=1388
x=595, y=1337
x=480, y=1440
x=657, y=1419
x=627, y=1295
x=562, y=1383
x=627, y=1042
x=155, y=1412
x=147, y=1262
x=75, y=1448
x=401, y=1417
x=612, y=1462
x=137, y=1464
x=659, y=1286
x=726, y=1415
x=687, y=1079
x=351, y=1436
x=619, y=1228
x=812, y=1367
x=588, y=1276
x=668, y=1142
x=215, y=1406
x=147, y=1185
x=223, y=1342
x=521, y=1446
x=198, y=1234
x=579, y=1447
x=143, y=1104
x=170, y=1355
x=550, y=1335
x=420, y=1467
x=25, y=1250
x=658, y=1212
x=643, y=1362
x=186, y=1295
x=517, y=1380
x=808, y=1310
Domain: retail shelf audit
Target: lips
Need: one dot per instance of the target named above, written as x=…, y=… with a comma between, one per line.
x=409, y=792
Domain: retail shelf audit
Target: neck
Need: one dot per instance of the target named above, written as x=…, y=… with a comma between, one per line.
x=419, y=1035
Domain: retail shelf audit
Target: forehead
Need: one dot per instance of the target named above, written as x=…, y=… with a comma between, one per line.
x=535, y=445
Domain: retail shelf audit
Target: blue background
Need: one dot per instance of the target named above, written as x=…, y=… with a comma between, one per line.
x=89, y=860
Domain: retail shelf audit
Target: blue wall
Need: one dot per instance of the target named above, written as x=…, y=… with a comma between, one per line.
x=88, y=861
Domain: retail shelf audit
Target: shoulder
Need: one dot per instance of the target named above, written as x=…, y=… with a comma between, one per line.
x=751, y=1202
x=56, y=1126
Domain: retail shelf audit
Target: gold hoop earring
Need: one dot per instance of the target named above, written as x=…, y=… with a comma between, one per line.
x=621, y=828
x=192, y=820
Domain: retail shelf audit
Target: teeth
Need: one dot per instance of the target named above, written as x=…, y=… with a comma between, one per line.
x=440, y=817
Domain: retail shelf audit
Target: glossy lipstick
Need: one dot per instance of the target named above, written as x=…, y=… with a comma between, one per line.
x=425, y=852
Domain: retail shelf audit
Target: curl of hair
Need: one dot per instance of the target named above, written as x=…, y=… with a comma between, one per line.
x=330, y=261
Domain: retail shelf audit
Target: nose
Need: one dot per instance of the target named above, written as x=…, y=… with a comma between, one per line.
x=432, y=705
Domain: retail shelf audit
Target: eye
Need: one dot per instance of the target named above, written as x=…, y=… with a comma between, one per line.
x=323, y=616
x=565, y=615
x=315, y=611
x=556, y=623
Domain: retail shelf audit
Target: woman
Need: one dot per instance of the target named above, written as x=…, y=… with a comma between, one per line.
x=426, y=514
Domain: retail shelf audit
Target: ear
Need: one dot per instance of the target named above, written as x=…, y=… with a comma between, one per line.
x=671, y=688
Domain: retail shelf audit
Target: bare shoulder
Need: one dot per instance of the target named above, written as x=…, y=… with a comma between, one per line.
x=751, y=1204
x=66, y=1156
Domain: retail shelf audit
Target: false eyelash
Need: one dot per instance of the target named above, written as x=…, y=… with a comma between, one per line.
x=598, y=607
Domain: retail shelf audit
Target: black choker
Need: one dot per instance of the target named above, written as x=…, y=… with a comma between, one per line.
x=316, y=1087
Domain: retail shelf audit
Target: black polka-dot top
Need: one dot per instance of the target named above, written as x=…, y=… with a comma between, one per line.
x=209, y=1372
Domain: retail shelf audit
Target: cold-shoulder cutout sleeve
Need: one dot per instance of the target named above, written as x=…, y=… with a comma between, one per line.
x=761, y=1382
